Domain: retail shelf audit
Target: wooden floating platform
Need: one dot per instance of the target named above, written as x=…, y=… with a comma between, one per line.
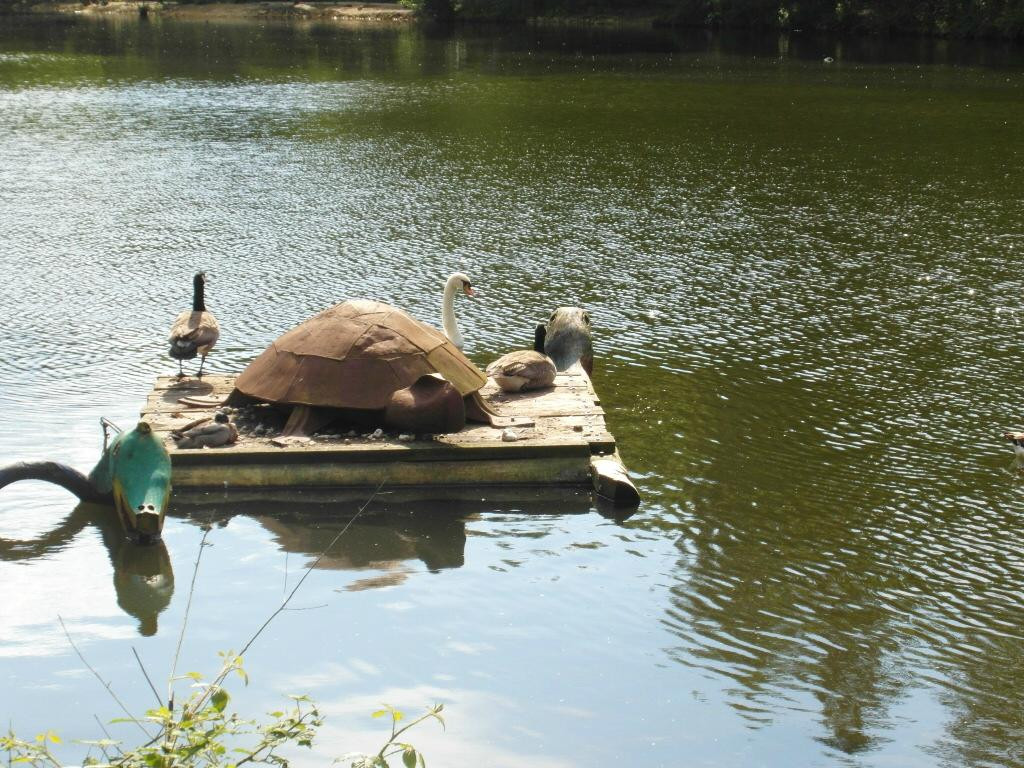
x=560, y=439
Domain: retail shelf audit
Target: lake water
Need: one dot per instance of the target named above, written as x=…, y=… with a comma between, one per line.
x=805, y=278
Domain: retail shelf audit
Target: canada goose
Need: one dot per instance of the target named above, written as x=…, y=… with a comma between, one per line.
x=525, y=368
x=194, y=332
x=207, y=434
x=457, y=281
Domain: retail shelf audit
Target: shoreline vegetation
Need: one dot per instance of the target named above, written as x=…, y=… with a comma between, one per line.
x=261, y=9
x=994, y=19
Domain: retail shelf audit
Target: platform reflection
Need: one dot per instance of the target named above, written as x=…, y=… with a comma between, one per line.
x=384, y=534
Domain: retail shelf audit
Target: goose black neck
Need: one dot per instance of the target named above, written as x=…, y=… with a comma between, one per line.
x=538, y=338
x=198, y=295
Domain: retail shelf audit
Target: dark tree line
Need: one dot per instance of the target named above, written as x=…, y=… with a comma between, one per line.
x=956, y=18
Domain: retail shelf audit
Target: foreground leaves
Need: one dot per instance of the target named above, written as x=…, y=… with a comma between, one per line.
x=203, y=733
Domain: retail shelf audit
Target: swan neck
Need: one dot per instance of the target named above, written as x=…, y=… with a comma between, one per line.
x=448, y=322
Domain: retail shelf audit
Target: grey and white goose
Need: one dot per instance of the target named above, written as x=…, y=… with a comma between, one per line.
x=194, y=331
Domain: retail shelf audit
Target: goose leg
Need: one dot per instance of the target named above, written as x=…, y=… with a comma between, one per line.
x=181, y=373
x=202, y=362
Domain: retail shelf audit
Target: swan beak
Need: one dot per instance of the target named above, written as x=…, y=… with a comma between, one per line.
x=468, y=290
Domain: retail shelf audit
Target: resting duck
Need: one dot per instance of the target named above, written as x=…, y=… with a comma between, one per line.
x=525, y=368
x=194, y=332
x=204, y=434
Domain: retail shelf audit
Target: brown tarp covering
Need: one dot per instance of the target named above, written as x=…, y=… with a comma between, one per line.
x=355, y=355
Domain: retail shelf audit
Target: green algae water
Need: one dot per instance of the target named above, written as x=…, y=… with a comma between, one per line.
x=805, y=280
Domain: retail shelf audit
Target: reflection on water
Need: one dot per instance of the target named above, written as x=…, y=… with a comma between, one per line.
x=376, y=545
x=377, y=542
x=143, y=575
x=803, y=279
x=362, y=530
x=330, y=529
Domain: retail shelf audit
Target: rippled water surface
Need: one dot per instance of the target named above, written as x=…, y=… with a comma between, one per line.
x=806, y=283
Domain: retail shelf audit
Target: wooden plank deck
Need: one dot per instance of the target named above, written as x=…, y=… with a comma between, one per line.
x=558, y=431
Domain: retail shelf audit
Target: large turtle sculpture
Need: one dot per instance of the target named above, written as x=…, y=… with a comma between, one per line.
x=365, y=361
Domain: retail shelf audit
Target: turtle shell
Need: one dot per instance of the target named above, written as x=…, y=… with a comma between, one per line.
x=355, y=355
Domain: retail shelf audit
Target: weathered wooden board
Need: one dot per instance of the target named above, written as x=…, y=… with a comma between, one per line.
x=562, y=429
x=571, y=470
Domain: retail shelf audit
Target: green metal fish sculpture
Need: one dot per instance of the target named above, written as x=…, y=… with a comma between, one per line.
x=133, y=474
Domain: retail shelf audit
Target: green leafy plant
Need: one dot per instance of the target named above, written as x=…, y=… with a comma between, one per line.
x=205, y=734
x=411, y=758
x=201, y=732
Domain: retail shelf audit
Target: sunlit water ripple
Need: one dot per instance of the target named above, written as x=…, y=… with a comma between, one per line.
x=805, y=283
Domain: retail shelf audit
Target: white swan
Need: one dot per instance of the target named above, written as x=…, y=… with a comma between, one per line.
x=458, y=281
